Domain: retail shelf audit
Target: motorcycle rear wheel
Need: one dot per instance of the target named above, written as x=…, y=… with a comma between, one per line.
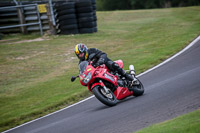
x=107, y=99
x=138, y=88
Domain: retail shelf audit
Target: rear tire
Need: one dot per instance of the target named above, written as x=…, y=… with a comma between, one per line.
x=109, y=100
x=138, y=89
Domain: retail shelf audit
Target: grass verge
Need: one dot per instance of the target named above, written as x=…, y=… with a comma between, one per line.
x=35, y=76
x=188, y=123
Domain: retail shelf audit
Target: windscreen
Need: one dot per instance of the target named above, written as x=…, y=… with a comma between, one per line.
x=82, y=66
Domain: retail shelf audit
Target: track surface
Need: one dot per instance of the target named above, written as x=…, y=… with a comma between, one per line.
x=171, y=90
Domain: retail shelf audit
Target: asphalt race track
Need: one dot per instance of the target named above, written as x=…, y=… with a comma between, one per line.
x=170, y=90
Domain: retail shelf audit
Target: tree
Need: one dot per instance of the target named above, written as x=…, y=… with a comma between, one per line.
x=142, y=4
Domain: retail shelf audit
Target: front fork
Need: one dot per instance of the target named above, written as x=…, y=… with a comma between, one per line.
x=100, y=83
x=104, y=87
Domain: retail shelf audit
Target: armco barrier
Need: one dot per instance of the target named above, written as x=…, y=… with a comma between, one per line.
x=67, y=17
x=5, y=10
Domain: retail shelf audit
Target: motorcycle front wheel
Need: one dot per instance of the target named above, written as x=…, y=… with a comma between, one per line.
x=108, y=99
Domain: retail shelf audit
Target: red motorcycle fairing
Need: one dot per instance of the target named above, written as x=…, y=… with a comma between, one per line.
x=104, y=75
x=122, y=92
x=89, y=69
x=106, y=87
x=101, y=72
x=95, y=84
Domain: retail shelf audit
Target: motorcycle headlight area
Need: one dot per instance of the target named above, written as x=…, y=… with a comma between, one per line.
x=87, y=78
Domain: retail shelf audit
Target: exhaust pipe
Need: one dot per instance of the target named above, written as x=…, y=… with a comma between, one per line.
x=132, y=70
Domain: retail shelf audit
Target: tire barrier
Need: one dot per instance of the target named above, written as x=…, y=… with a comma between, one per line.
x=66, y=18
x=77, y=17
x=11, y=18
x=71, y=17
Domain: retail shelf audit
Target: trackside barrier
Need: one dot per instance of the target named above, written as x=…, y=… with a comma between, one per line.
x=22, y=25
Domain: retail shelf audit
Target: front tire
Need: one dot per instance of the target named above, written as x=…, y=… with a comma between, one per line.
x=107, y=99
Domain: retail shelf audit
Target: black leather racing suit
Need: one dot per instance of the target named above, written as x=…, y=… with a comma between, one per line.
x=98, y=57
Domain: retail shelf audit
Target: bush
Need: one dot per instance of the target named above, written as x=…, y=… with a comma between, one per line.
x=142, y=4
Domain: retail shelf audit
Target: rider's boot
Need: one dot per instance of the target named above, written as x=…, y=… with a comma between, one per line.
x=130, y=80
x=129, y=77
x=122, y=72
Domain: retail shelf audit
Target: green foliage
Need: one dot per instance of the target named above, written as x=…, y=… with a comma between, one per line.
x=142, y=4
x=113, y=4
x=189, y=123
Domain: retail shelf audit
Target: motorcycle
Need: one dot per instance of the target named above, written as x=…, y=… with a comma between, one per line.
x=108, y=87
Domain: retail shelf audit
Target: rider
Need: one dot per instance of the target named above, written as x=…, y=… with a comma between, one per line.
x=99, y=58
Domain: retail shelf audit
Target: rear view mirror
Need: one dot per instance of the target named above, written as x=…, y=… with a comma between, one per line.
x=73, y=78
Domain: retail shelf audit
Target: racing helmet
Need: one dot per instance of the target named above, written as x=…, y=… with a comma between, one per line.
x=81, y=51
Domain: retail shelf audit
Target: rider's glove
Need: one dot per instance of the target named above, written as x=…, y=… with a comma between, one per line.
x=101, y=61
x=94, y=65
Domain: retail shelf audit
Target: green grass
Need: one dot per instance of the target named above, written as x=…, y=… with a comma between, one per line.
x=35, y=76
x=189, y=123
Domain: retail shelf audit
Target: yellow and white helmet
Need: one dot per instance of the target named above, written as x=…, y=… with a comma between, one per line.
x=81, y=51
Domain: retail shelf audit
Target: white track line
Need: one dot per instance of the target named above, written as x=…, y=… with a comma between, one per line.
x=48, y=114
x=174, y=56
x=169, y=59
